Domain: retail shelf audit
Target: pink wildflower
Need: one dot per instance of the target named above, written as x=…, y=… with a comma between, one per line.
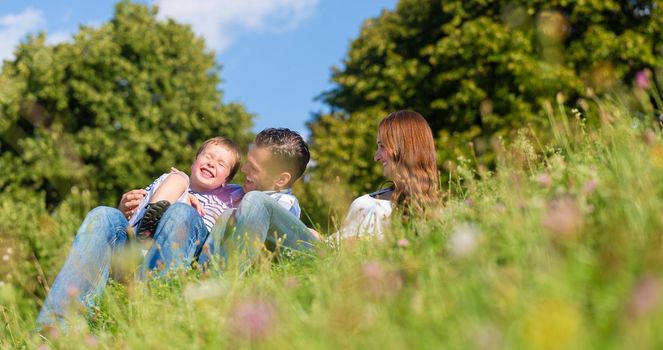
x=644, y=297
x=291, y=282
x=649, y=137
x=403, y=243
x=544, y=180
x=378, y=281
x=252, y=319
x=91, y=341
x=563, y=218
x=591, y=186
x=642, y=78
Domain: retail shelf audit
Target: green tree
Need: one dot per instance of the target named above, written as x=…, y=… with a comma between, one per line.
x=111, y=109
x=476, y=69
x=85, y=120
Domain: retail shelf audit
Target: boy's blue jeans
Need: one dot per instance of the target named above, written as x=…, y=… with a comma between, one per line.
x=259, y=220
x=102, y=236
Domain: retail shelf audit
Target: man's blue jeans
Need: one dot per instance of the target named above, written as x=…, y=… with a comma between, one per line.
x=102, y=236
x=259, y=220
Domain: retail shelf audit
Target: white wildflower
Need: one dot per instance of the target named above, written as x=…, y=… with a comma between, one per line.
x=206, y=290
x=463, y=240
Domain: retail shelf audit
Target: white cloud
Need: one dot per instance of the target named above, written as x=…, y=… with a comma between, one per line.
x=58, y=37
x=220, y=22
x=14, y=27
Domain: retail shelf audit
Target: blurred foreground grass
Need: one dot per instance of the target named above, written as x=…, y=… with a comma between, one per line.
x=559, y=247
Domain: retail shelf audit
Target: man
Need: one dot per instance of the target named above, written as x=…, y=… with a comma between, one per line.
x=269, y=212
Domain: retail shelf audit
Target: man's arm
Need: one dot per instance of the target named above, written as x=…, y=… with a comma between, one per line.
x=130, y=201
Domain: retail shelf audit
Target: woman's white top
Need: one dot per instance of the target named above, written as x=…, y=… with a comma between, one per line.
x=368, y=216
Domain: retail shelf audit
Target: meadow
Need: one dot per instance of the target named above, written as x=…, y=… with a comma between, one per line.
x=559, y=245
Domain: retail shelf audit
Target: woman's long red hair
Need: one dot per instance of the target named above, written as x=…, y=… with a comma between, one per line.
x=408, y=141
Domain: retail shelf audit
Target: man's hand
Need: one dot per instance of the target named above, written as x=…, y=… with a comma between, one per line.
x=130, y=201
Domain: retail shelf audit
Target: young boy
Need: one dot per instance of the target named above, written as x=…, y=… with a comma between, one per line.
x=269, y=212
x=104, y=234
x=216, y=163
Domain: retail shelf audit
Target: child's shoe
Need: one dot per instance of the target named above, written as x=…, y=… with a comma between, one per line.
x=151, y=218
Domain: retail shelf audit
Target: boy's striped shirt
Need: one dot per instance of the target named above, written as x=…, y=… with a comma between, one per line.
x=214, y=202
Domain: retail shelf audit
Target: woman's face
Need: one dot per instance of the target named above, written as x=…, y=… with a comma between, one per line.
x=382, y=158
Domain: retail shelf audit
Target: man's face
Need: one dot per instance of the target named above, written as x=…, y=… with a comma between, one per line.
x=260, y=174
x=211, y=168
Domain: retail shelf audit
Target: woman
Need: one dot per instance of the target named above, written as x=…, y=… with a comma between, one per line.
x=406, y=150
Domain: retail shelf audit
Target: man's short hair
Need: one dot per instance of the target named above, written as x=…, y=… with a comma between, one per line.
x=288, y=149
x=230, y=146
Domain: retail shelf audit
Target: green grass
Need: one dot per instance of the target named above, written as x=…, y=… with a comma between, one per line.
x=559, y=247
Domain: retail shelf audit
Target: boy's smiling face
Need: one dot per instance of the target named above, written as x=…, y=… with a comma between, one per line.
x=259, y=171
x=211, y=168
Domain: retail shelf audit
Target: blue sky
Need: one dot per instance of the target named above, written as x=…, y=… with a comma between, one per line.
x=276, y=55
